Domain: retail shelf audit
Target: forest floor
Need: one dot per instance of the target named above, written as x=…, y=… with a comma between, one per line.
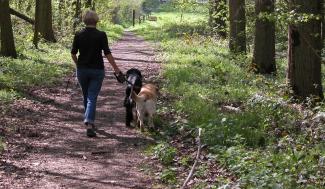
x=47, y=146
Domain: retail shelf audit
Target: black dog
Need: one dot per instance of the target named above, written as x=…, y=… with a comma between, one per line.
x=134, y=81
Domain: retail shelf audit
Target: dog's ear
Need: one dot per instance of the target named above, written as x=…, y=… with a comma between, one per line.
x=134, y=71
x=140, y=75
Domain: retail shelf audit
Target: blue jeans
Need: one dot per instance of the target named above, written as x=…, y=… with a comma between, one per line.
x=90, y=81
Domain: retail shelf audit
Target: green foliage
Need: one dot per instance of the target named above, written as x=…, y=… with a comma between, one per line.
x=150, y=5
x=218, y=14
x=185, y=161
x=2, y=145
x=221, y=181
x=184, y=6
x=201, y=171
x=290, y=168
x=262, y=142
x=190, y=24
x=250, y=127
x=165, y=153
x=288, y=13
x=64, y=13
x=200, y=186
x=120, y=11
x=7, y=96
x=168, y=176
x=34, y=67
x=113, y=31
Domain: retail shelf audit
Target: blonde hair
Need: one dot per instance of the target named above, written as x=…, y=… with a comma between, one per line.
x=90, y=17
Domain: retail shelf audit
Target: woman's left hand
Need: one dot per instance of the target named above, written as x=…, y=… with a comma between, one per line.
x=120, y=77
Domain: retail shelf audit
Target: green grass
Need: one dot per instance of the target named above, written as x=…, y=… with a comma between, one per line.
x=34, y=67
x=263, y=144
x=114, y=32
x=168, y=30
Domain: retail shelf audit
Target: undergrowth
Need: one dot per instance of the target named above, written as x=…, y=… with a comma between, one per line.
x=264, y=142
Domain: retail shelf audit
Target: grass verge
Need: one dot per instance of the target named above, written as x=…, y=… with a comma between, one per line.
x=249, y=122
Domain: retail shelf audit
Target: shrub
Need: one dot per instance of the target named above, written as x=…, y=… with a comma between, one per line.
x=165, y=153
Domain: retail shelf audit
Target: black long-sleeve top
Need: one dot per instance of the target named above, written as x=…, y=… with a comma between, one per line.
x=90, y=42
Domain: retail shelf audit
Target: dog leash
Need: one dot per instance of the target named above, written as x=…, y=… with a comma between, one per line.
x=120, y=77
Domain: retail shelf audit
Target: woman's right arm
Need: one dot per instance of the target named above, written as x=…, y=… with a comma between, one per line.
x=74, y=50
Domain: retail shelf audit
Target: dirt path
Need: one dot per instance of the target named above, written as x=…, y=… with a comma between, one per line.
x=49, y=148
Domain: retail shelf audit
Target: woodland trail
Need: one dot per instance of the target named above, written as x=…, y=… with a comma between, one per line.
x=49, y=148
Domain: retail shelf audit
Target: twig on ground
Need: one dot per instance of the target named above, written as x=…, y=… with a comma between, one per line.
x=100, y=152
x=195, y=162
x=69, y=79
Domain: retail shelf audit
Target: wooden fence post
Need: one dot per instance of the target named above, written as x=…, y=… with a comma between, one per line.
x=133, y=18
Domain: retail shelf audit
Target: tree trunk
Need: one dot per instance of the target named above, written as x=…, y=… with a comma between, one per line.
x=7, y=37
x=264, y=49
x=77, y=14
x=304, y=51
x=115, y=16
x=218, y=16
x=237, y=17
x=43, y=21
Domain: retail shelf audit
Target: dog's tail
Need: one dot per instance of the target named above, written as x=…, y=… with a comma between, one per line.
x=136, y=97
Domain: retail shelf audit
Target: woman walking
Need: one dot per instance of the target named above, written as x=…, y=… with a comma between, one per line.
x=91, y=43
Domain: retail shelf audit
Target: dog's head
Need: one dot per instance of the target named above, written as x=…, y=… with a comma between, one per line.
x=134, y=78
x=133, y=71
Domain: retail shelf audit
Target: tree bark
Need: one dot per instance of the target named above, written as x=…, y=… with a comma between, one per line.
x=304, y=51
x=237, y=17
x=22, y=16
x=115, y=16
x=7, y=37
x=43, y=21
x=264, y=48
x=77, y=14
x=218, y=16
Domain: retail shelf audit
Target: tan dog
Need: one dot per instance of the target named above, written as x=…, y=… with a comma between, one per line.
x=146, y=104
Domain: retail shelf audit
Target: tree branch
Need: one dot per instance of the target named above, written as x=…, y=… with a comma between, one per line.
x=22, y=16
x=196, y=160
